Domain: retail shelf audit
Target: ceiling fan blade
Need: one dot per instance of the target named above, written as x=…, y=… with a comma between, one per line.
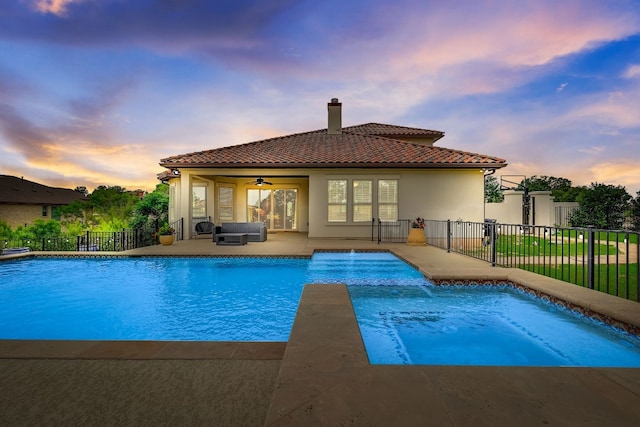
x=260, y=181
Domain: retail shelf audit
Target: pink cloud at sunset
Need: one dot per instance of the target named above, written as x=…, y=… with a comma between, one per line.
x=95, y=93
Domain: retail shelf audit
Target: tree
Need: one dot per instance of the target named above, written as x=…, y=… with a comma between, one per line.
x=5, y=230
x=492, y=191
x=106, y=209
x=560, y=188
x=82, y=189
x=152, y=207
x=113, y=204
x=635, y=212
x=570, y=194
x=601, y=206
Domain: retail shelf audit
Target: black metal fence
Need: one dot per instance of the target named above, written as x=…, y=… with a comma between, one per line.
x=92, y=241
x=605, y=260
x=178, y=227
x=391, y=231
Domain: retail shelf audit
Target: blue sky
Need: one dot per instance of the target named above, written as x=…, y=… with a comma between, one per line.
x=96, y=92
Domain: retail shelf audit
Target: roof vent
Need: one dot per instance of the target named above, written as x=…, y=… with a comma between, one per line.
x=335, y=117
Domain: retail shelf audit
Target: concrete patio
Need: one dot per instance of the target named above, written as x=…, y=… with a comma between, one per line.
x=321, y=376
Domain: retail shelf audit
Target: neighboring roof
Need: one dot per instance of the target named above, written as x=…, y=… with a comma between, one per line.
x=14, y=190
x=356, y=147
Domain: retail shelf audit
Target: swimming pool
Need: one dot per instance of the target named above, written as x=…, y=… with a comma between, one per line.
x=228, y=299
x=196, y=299
x=483, y=325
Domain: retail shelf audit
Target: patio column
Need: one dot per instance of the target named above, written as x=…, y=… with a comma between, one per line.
x=185, y=205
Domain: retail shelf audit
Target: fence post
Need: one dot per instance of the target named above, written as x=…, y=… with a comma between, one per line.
x=373, y=221
x=493, y=241
x=591, y=246
x=448, y=235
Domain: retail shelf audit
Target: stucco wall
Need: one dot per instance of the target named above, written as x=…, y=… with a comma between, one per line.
x=434, y=194
x=542, y=211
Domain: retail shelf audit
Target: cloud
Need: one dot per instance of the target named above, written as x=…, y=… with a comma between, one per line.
x=111, y=77
x=55, y=7
x=164, y=26
x=621, y=171
x=633, y=71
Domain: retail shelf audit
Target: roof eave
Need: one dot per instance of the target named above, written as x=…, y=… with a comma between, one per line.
x=337, y=165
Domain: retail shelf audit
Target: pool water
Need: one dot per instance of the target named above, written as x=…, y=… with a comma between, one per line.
x=403, y=318
x=483, y=325
x=195, y=299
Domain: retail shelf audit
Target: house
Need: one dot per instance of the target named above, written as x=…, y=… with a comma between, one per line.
x=23, y=201
x=330, y=183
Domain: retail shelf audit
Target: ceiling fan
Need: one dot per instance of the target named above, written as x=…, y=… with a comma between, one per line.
x=260, y=181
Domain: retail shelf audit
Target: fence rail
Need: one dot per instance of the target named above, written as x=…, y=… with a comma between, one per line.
x=392, y=231
x=605, y=260
x=98, y=241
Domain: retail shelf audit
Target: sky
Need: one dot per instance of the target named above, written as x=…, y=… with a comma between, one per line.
x=96, y=92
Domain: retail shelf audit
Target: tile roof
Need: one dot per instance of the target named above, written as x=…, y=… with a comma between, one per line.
x=379, y=129
x=14, y=190
x=357, y=146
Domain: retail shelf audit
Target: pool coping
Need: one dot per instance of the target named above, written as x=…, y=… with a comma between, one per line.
x=140, y=350
x=325, y=379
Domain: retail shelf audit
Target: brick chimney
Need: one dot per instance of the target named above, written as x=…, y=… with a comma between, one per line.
x=335, y=117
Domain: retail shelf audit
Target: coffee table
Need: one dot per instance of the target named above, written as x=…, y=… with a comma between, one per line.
x=231, y=239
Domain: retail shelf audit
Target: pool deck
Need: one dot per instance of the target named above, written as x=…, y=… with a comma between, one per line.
x=321, y=376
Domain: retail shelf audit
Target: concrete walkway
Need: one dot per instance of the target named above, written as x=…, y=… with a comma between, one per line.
x=321, y=376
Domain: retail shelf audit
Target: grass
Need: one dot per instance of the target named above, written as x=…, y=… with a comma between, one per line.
x=603, y=236
x=512, y=245
x=621, y=280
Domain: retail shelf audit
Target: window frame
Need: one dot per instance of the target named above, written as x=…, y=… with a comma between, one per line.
x=343, y=205
x=381, y=204
x=220, y=205
x=356, y=204
x=351, y=206
x=195, y=186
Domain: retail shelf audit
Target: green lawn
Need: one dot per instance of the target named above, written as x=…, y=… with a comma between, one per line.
x=512, y=245
x=605, y=277
x=602, y=235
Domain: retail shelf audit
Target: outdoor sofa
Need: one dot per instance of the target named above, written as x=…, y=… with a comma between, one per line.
x=255, y=231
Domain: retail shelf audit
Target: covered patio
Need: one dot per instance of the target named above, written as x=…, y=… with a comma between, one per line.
x=321, y=376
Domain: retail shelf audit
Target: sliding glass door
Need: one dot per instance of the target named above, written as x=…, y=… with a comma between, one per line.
x=275, y=207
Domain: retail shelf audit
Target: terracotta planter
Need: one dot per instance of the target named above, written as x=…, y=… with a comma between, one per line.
x=416, y=237
x=166, y=239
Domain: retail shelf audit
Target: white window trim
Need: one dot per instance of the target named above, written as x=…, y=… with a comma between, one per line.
x=349, y=197
x=233, y=201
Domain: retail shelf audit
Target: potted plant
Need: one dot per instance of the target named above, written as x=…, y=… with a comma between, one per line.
x=165, y=234
x=416, y=233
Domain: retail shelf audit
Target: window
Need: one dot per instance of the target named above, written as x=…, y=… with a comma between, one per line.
x=172, y=201
x=276, y=208
x=362, y=200
x=44, y=211
x=225, y=204
x=337, y=200
x=199, y=205
x=388, y=200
